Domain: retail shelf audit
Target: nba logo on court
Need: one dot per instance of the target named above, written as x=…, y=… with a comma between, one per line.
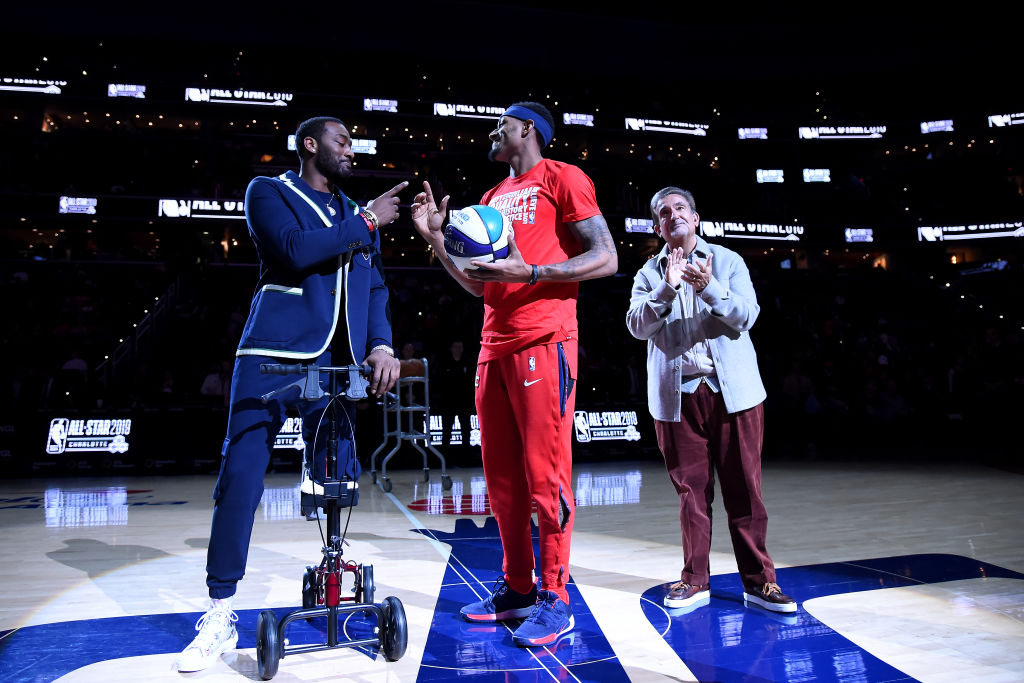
x=58, y=437
x=533, y=363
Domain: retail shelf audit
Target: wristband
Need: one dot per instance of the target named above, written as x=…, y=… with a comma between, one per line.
x=533, y=277
x=371, y=218
x=382, y=347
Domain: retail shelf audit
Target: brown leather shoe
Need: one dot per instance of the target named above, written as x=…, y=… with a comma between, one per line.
x=682, y=594
x=770, y=597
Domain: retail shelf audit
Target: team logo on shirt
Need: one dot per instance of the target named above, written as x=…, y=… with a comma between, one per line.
x=533, y=363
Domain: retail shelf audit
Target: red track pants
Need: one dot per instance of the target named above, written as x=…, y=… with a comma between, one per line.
x=525, y=405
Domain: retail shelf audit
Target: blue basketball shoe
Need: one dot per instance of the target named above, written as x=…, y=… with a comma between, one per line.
x=503, y=603
x=550, y=619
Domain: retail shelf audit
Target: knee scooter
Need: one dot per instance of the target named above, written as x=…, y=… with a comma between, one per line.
x=321, y=586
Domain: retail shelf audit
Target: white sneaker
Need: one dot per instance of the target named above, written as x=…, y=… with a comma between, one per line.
x=310, y=487
x=311, y=496
x=217, y=635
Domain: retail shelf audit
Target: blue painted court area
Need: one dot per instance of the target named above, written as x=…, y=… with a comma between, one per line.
x=722, y=641
x=49, y=651
x=728, y=642
x=485, y=652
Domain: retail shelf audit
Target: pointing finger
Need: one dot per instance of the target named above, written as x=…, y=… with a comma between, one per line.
x=397, y=188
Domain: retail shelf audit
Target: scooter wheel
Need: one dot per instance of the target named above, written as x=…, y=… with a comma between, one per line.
x=394, y=634
x=268, y=644
x=367, y=578
x=309, y=588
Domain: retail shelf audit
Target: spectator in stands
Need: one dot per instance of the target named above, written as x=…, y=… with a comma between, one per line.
x=217, y=383
x=452, y=396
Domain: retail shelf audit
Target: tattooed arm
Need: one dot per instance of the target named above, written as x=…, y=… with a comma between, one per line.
x=597, y=259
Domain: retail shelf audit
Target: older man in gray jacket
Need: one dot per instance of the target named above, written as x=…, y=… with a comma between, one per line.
x=694, y=304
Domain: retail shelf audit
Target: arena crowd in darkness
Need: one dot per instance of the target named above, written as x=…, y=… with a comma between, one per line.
x=894, y=346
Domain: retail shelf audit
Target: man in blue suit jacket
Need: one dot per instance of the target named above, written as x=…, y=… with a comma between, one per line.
x=321, y=298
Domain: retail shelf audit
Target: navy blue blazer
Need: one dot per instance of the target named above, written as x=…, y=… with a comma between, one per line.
x=314, y=272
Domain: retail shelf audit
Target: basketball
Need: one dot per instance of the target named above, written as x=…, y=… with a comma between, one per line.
x=476, y=232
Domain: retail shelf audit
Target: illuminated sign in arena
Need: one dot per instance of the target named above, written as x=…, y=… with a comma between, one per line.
x=364, y=146
x=126, y=90
x=467, y=111
x=1003, y=120
x=359, y=145
x=375, y=104
x=85, y=205
x=657, y=125
x=758, y=231
x=578, y=119
x=971, y=231
x=290, y=436
x=944, y=126
x=80, y=435
x=817, y=175
x=770, y=175
x=753, y=133
x=841, y=132
x=859, y=235
x=640, y=225
x=437, y=433
x=201, y=208
x=249, y=97
x=46, y=87
x=609, y=425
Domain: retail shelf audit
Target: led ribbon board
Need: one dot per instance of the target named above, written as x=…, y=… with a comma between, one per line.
x=467, y=111
x=201, y=208
x=249, y=97
x=971, y=231
x=33, y=85
x=751, y=231
x=657, y=125
x=1003, y=120
x=841, y=132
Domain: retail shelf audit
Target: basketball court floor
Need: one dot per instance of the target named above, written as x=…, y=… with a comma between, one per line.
x=902, y=572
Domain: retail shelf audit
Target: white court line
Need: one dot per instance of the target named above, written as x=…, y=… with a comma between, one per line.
x=449, y=556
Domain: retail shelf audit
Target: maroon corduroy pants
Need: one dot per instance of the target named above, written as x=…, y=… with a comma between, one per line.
x=705, y=440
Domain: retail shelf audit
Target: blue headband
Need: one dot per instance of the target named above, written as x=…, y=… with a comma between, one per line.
x=544, y=129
